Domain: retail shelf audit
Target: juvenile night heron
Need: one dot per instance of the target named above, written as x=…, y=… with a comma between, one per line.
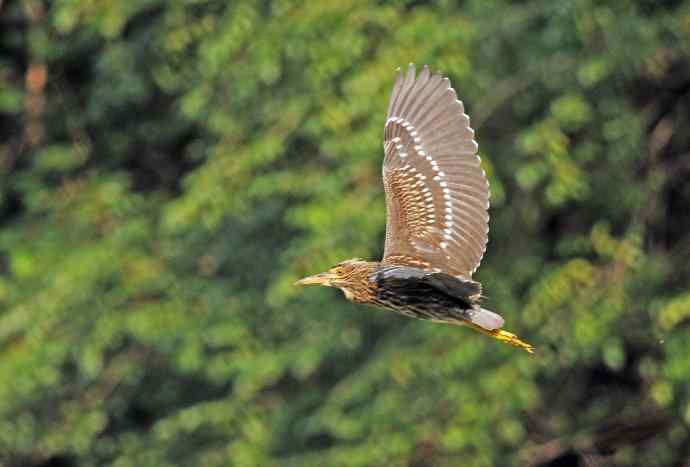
x=437, y=198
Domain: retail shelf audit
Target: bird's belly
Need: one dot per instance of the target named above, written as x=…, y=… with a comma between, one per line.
x=432, y=307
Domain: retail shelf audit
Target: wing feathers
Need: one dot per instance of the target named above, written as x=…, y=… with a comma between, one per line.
x=463, y=289
x=396, y=91
x=433, y=85
x=436, y=193
x=407, y=84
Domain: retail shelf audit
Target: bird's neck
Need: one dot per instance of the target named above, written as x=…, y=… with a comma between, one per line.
x=363, y=290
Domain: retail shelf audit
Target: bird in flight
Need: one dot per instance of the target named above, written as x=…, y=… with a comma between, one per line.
x=437, y=198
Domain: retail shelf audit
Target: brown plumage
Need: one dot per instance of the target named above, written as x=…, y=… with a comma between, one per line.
x=437, y=200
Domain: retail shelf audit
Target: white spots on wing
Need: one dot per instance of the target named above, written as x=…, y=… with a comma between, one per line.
x=444, y=184
x=444, y=245
x=399, y=148
x=449, y=217
x=416, y=197
x=441, y=174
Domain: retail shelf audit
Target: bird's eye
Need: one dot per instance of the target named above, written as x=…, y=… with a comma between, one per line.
x=339, y=272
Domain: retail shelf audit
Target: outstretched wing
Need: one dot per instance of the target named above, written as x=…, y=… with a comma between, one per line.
x=437, y=195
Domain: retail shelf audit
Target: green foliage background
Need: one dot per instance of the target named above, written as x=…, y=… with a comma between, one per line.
x=168, y=169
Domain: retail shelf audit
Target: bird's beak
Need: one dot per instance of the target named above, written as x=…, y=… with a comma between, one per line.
x=323, y=278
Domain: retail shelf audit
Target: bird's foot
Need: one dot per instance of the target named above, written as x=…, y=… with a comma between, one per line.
x=504, y=336
x=512, y=339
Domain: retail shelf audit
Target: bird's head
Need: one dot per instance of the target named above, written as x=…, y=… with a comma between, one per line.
x=350, y=276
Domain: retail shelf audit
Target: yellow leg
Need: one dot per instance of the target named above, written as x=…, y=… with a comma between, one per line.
x=504, y=336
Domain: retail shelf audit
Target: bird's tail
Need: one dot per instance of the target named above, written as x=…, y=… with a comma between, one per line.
x=485, y=318
x=489, y=323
